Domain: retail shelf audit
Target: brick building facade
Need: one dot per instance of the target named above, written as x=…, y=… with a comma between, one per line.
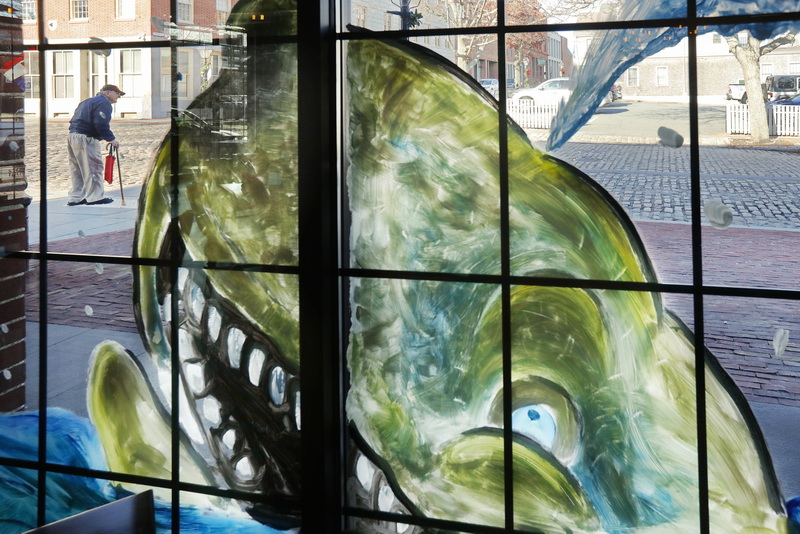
x=144, y=73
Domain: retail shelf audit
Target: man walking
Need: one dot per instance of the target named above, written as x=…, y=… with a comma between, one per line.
x=87, y=128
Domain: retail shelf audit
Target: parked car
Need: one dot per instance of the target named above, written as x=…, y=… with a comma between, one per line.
x=511, y=83
x=792, y=101
x=553, y=91
x=782, y=86
x=492, y=85
x=548, y=92
x=737, y=91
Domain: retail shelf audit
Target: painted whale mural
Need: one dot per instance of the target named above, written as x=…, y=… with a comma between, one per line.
x=603, y=392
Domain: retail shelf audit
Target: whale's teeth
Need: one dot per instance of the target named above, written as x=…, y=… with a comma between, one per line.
x=187, y=420
x=166, y=309
x=197, y=301
x=214, y=323
x=186, y=349
x=235, y=342
x=229, y=439
x=255, y=365
x=365, y=472
x=244, y=467
x=277, y=385
x=183, y=275
x=212, y=410
x=194, y=377
x=385, y=496
x=297, y=409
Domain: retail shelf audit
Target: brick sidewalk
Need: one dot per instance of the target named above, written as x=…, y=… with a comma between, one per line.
x=72, y=286
x=738, y=331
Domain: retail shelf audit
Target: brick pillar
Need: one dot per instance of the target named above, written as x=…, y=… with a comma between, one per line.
x=13, y=213
x=13, y=236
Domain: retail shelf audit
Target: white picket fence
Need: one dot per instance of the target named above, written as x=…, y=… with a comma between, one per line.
x=527, y=115
x=782, y=120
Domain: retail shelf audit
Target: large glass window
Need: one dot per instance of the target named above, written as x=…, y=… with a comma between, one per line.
x=531, y=271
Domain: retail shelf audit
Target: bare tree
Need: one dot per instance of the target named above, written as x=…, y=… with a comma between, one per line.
x=467, y=14
x=525, y=45
x=748, y=52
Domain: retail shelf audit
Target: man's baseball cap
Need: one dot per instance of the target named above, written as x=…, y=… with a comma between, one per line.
x=111, y=87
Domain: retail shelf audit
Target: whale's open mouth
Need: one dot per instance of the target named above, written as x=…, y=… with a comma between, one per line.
x=242, y=395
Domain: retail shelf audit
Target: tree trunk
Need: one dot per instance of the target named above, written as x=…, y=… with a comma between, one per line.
x=759, y=128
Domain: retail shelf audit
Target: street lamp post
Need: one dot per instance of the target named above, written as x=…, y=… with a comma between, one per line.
x=408, y=19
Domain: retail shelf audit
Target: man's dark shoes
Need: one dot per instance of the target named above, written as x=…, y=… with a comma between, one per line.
x=106, y=200
x=76, y=203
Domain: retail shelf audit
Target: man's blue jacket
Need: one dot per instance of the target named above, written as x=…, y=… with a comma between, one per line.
x=91, y=118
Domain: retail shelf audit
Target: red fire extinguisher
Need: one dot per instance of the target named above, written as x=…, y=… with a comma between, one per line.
x=108, y=175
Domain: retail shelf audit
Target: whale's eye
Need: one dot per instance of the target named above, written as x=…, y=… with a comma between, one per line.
x=536, y=422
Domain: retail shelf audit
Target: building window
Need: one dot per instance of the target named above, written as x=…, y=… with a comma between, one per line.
x=223, y=7
x=184, y=74
x=31, y=74
x=387, y=21
x=166, y=74
x=185, y=11
x=717, y=39
x=361, y=16
x=767, y=69
x=742, y=38
x=63, y=74
x=28, y=9
x=98, y=67
x=794, y=68
x=79, y=9
x=633, y=77
x=126, y=9
x=662, y=77
x=130, y=72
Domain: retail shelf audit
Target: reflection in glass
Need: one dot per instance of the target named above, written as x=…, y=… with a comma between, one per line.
x=394, y=15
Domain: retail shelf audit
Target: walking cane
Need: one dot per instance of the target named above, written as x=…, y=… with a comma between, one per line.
x=119, y=172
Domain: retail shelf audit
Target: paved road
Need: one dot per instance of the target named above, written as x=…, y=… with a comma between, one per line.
x=642, y=119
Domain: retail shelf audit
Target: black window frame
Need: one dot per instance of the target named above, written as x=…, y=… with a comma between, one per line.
x=323, y=269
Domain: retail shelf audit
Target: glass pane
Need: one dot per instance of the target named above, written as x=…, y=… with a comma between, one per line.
x=423, y=175
x=755, y=341
x=749, y=186
x=205, y=513
x=95, y=355
x=621, y=209
x=534, y=12
x=20, y=494
x=238, y=167
x=240, y=378
x=19, y=385
x=391, y=15
x=594, y=374
x=424, y=362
